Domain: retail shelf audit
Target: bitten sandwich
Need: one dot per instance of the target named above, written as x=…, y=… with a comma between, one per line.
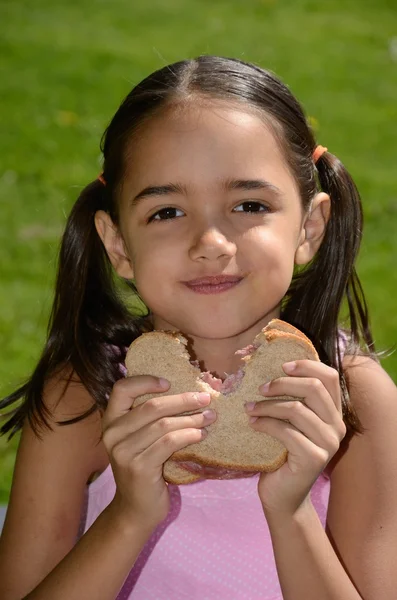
x=232, y=448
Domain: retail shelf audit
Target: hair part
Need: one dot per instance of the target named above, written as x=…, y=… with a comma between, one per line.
x=91, y=326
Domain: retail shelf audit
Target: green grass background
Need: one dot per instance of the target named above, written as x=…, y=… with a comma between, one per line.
x=65, y=66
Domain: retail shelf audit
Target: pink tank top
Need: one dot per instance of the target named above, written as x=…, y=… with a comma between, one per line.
x=214, y=544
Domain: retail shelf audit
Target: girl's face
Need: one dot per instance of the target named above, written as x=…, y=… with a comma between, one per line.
x=207, y=192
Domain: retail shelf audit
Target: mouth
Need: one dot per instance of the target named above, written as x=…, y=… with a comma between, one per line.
x=213, y=285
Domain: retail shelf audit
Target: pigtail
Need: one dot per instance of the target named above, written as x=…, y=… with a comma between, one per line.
x=89, y=324
x=346, y=219
x=317, y=292
x=331, y=276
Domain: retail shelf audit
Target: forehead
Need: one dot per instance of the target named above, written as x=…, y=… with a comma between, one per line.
x=203, y=143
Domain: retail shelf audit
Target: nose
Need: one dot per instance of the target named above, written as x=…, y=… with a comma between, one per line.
x=212, y=244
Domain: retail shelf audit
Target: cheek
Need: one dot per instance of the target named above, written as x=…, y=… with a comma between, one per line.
x=270, y=247
x=273, y=263
x=152, y=272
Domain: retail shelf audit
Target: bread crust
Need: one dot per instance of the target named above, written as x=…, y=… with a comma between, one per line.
x=230, y=444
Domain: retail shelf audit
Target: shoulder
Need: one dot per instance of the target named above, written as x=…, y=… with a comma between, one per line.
x=65, y=398
x=371, y=390
x=47, y=493
x=374, y=396
x=66, y=455
x=362, y=515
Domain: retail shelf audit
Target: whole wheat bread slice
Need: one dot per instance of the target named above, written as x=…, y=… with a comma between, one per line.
x=231, y=443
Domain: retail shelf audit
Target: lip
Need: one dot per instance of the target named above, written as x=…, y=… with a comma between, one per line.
x=214, y=280
x=213, y=285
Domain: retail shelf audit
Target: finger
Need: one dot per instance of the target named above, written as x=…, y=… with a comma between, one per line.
x=300, y=447
x=126, y=390
x=152, y=410
x=312, y=392
x=303, y=419
x=317, y=370
x=141, y=437
x=157, y=453
x=166, y=446
x=159, y=407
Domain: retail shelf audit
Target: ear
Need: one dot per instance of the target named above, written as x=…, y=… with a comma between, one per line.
x=313, y=228
x=114, y=244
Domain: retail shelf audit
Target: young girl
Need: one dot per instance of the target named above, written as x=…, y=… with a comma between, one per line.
x=217, y=207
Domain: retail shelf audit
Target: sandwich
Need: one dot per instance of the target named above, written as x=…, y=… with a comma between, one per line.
x=232, y=449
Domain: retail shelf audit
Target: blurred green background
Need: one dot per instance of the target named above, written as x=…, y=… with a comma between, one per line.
x=65, y=67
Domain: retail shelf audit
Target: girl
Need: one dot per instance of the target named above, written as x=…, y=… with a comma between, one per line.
x=219, y=210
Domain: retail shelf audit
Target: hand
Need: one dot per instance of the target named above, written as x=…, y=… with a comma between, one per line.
x=311, y=429
x=139, y=441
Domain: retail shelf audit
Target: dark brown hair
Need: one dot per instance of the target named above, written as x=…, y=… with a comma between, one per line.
x=90, y=326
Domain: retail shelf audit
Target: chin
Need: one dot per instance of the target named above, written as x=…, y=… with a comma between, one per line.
x=218, y=325
x=215, y=330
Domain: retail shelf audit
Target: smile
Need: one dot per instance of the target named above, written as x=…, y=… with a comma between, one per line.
x=215, y=288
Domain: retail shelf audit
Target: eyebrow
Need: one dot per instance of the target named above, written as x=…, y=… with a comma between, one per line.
x=229, y=185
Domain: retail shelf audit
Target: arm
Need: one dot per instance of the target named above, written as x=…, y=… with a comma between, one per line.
x=98, y=565
x=45, y=508
x=49, y=483
x=307, y=565
x=362, y=514
x=356, y=560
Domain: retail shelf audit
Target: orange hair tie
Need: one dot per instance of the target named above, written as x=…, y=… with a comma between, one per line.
x=101, y=178
x=318, y=152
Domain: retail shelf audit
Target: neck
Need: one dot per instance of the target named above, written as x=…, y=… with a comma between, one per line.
x=218, y=355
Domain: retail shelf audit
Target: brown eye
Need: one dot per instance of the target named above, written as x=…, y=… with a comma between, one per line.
x=252, y=207
x=165, y=214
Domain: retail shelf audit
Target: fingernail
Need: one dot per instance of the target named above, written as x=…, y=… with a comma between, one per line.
x=203, y=398
x=289, y=367
x=250, y=406
x=265, y=387
x=164, y=383
x=253, y=419
x=209, y=414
